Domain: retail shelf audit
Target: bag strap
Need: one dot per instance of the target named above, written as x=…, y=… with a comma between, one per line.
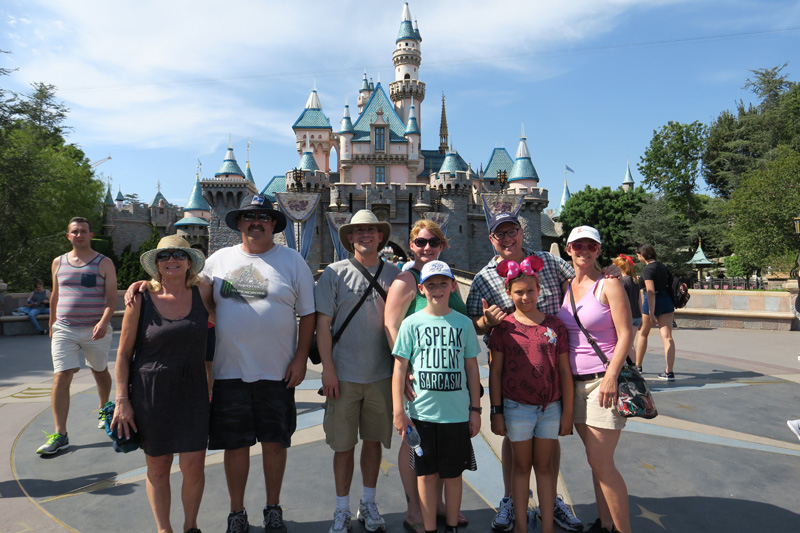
x=589, y=338
x=373, y=284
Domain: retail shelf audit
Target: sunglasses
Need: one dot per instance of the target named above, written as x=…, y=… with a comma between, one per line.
x=435, y=242
x=265, y=217
x=579, y=246
x=178, y=255
x=500, y=235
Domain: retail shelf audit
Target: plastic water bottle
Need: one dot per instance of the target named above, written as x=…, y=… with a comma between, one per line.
x=413, y=440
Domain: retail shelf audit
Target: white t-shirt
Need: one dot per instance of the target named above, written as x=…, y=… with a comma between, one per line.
x=258, y=298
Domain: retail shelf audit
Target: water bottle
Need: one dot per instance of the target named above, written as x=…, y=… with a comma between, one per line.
x=413, y=440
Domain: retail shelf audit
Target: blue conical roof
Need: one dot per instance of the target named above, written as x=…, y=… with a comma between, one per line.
x=307, y=162
x=196, y=200
x=109, y=200
x=248, y=174
x=229, y=165
x=450, y=164
x=565, y=196
x=120, y=198
x=500, y=160
x=406, y=27
x=523, y=166
x=628, y=176
x=346, y=124
x=157, y=200
x=412, y=128
x=364, y=83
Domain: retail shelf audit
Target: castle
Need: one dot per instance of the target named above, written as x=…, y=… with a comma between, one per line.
x=380, y=165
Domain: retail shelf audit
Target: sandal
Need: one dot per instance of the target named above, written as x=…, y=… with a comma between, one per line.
x=415, y=527
x=462, y=520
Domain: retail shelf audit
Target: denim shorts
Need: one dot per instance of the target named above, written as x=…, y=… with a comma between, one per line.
x=523, y=422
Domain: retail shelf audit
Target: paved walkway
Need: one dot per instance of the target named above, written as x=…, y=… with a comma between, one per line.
x=719, y=457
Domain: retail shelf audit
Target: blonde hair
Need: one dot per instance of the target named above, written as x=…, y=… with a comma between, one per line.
x=624, y=266
x=432, y=227
x=192, y=279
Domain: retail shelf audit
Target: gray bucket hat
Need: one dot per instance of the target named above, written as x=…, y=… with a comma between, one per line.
x=365, y=217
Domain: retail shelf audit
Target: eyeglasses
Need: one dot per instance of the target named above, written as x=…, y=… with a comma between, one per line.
x=178, y=255
x=435, y=242
x=265, y=217
x=500, y=235
x=365, y=230
x=578, y=246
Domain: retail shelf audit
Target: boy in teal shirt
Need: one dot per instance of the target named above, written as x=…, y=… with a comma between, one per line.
x=440, y=346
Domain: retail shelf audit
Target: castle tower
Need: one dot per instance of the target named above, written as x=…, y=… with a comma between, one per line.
x=413, y=135
x=120, y=199
x=346, y=134
x=313, y=126
x=443, y=130
x=628, y=184
x=523, y=176
x=453, y=189
x=108, y=213
x=194, y=225
x=407, y=57
x=224, y=192
x=564, y=197
x=364, y=93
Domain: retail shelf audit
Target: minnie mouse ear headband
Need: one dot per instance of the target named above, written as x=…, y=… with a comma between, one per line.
x=628, y=259
x=511, y=270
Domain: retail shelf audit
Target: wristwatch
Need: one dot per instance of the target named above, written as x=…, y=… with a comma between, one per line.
x=496, y=410
x=478, y=410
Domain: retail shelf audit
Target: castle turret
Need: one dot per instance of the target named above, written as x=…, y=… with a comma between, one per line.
x=407, y=57
x=194, y=225
x=120, y=199
x=364, y=93
x=314, y=128
x=413, y=136
x=628, y=183
x=564, y=197
x=346, y=134
x=523, y=175
x=453, y=194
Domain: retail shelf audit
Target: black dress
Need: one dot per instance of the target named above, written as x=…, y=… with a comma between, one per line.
x=169, y=393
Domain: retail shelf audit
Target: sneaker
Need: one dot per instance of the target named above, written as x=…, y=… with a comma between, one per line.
x=341, y=521
x=794, y=425
x=273, y=519
x=101, y=420
x=639, y=369
x=237, y=522
x=193, y=530
x=562, y=515
x=369, y=516
x=55, y=443
x=504, y=519
x=669, y=376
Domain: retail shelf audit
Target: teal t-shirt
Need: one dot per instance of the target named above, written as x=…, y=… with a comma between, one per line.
x=436, y=347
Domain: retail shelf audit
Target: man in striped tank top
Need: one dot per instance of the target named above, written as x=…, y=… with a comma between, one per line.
x=83, y=301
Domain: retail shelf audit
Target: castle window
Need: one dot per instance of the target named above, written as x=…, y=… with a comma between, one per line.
x=380, y=138
x=380, y=174
x=407, y=77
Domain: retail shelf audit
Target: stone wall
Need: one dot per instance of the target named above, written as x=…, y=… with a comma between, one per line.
x=739, y=309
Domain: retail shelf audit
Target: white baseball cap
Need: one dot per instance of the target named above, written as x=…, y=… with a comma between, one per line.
x=435, y=268
x=584, y=232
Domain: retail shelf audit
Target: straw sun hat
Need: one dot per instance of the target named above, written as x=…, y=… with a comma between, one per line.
x=172, y=242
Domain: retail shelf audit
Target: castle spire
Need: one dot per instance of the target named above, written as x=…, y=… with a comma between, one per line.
x=443, y=130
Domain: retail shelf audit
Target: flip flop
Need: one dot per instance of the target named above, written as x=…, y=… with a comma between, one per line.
x=462, y=520
x=415, y=527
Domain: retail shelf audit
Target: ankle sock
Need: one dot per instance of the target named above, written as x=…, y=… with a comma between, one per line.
x=343, y=502
x=368, y=494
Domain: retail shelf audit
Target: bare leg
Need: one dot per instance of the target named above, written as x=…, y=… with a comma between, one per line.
x=452, y=496
x=59, y=399
x=427, y=498
x=237, y=468
x=194, y=481
x=610, y=490
x=158, y=491
x=665, y=329
x=543, y=453
x=370, y=463
x=409, y=479
x=507, y=464
x=641, y=339
x=520, y=483
x=343, y=465
x=274, y=461
x=103, y=380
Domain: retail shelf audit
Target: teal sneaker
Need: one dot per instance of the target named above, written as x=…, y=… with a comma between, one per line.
x=55, y=443
x=101, y=417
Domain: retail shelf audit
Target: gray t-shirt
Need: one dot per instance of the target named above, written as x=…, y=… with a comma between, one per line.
x=362, y=354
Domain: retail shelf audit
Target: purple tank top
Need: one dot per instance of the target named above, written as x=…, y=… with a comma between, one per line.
x=596, y=318
x=81, y=293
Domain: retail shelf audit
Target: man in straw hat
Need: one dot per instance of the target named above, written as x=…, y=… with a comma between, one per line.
x=259, y=288
x=81, y=306
x=357, y=369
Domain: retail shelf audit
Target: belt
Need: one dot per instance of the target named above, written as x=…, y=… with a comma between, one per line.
x=589, y=377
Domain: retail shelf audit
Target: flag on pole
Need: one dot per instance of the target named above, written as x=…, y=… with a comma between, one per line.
x=566, y=167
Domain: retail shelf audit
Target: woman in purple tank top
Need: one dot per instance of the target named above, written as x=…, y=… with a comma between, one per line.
x=603, y=309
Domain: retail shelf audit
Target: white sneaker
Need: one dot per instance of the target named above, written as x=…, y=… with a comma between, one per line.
x=504, y=519
x=341, y=521
x=369, y=516
x=562, y=515
x=794, y=425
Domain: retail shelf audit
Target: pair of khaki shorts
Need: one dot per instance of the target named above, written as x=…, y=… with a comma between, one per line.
x=360, y=407
x=586, y=407
x=67, y=343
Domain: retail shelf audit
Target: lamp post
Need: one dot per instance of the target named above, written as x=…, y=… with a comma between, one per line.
x=297, y=176
x=502, y=179
x=338, y=204
x=438, y=203
x=794, y=272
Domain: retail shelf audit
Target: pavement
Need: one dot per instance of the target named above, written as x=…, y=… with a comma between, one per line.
x=719, y=457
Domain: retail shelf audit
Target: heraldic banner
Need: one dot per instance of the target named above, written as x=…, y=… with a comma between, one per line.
x=501, y=203
x=336, y=221
x=299, y=208
x=440, y=218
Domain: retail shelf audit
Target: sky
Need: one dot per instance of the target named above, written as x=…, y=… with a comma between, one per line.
x=160, y=85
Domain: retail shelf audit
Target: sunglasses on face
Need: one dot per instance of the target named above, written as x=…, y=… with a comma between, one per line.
x=578, y=246
x=179, y=255
x=435, y=242
x=249, y=217
x=500, y=235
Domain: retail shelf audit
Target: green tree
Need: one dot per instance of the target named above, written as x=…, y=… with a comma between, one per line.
x=658, y=224
x=671, y=164
x=712, y=225
x=762, y=209
x=129, y=268
x=607, y=210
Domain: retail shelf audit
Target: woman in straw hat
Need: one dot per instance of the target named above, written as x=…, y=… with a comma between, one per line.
x=162, y=391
